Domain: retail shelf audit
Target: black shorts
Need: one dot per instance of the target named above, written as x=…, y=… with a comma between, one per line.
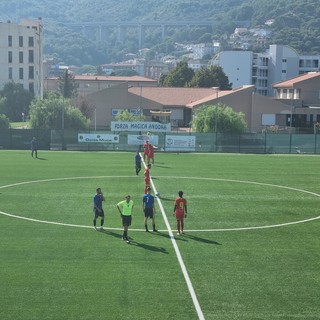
x=126, y=221
x=97, y=214
x=148, y=212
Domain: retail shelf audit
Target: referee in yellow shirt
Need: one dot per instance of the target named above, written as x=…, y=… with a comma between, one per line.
x=125, y=208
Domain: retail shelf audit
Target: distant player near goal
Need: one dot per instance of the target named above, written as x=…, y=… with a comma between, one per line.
x=180, y=211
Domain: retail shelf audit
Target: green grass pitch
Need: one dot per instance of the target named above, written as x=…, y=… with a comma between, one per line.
x=251, y=248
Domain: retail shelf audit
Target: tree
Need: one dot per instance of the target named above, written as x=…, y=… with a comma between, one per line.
x=16, y=102
x=213, y=76
x=56, y=113
x=125, y=115
x=218, y=118
x=180, y=76
x=67, y=86
x=4, y=122
x=85, y=106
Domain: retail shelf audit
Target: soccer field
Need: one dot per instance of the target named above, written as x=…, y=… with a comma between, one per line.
x=251, y=248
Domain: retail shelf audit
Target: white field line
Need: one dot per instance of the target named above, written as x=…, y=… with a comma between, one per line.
x=178, y=254
x=174, y=243
x=189, y=178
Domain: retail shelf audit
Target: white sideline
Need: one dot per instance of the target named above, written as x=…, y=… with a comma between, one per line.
x=178, y=254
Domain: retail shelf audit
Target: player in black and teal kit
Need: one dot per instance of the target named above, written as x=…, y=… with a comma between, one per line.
x=149, y=210
x=138, y=163
x=97, y=208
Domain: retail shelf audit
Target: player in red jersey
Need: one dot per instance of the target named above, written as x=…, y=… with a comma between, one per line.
x=151, y=153
x=145, y=150
x=180, y=211
x=147, y=177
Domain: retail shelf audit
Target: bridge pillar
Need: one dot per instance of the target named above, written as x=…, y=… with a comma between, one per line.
x=122, y=33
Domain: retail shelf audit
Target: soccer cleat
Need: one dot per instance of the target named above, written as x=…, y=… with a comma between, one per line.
x=155, y=230
x=178, y=233
x=101, y=228
x=95, y=228
x=147, y=230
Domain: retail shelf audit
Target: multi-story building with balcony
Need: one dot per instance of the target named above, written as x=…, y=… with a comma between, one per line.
x=279, y=63
x=21, y=54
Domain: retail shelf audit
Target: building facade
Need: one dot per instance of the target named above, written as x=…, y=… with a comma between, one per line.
x=278, y=63
x=21, y=55
x=90, y=84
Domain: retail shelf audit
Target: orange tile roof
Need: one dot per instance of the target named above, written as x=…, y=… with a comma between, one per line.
x=188, y=97
x=291, y=82
x=110, y=78
x=172, y=96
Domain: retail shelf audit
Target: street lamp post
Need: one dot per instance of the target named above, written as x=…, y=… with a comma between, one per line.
x=216, y=116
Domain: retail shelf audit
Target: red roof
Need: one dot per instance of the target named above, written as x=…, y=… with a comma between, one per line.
x=172, y=96
x=110, y=78
x=293, y=81
x=180, y=96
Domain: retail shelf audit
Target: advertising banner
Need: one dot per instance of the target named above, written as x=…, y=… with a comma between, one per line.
x=140, y=126
x=97, y=138
x=180, y=143
x=140, y=139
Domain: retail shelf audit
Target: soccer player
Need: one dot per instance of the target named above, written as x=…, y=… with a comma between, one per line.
x=125, y=208
x=151, y=154
x=180, y=211
x=138, y=163
x=97, y=208
x=34, y=147
x=145, y=150
x=149, y=210
x=147, y=177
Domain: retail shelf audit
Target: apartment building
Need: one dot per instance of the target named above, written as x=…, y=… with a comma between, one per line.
x=278, y=63
x=21, y=54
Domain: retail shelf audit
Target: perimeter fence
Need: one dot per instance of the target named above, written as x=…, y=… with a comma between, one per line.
x=256, y=143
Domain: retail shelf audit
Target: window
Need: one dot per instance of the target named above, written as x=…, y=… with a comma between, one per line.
x=21, y=57
x=20, y=41
x=10, y=57
x=21, y=73
x=10, y=73
x=31, y=42
x=31, y=72
x=31, y=56
x=9, y=41
x=31, y=87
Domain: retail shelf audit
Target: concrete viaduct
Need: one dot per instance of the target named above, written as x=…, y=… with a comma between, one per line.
x=100, y=29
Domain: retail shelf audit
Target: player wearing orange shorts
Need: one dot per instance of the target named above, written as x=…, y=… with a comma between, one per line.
x=147, y=177
x=180, y=211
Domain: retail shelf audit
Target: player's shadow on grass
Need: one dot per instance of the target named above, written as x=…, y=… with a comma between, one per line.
x=148, y=247
x=38, y=158
x=135, y=243
x=161, y=166
x=166, y=199
x=166, y=235
x=191, y=237
x=111, y=233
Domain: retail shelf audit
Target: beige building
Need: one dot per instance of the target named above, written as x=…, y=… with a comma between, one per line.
x=297, y=98
x=302, y=97
x=90, y=84
x=21, y=54
x=181, y=103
